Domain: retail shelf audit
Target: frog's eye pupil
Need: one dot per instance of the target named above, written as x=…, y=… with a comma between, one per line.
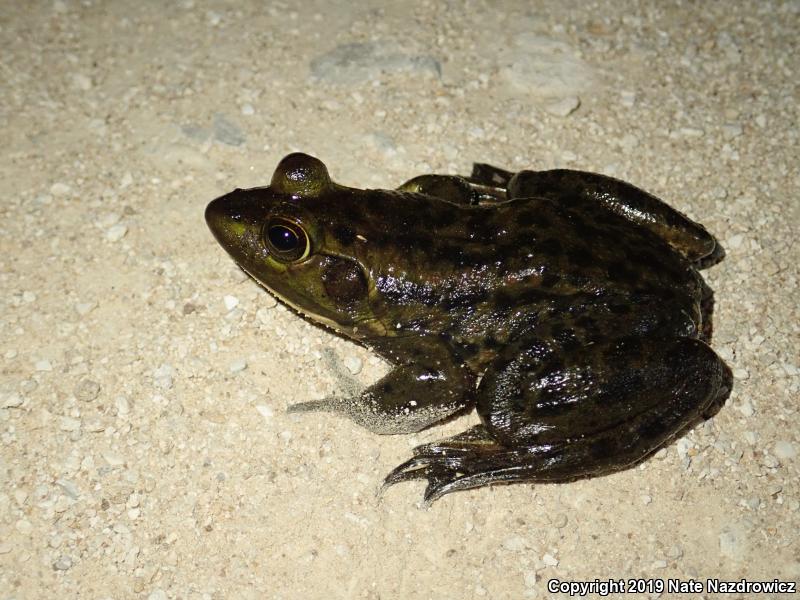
x=283, y=238
x=287, y=241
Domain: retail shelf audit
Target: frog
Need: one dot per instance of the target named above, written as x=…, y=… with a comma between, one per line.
x=565, y=307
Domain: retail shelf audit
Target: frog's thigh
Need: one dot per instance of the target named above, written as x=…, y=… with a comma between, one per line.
x=689, y=238
x=601, y=386
x=546, y=424
x=408, y=399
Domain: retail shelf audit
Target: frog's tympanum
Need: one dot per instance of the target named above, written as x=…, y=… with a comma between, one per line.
x=565, y=306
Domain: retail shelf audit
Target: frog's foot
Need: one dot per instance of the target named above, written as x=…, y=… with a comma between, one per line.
x=468, y=460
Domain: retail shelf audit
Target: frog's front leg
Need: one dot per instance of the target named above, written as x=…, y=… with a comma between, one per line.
x=551, y=419
x=412, y=396
x=454, y=188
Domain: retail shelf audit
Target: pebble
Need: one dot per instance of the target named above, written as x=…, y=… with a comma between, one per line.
x=63, y=563
x=69, y=424
x=238, y=365
x=44, y=365
x=357, y=62
x=114, y=459
x=122, y=404
x=231, y=302
x=785, y=450
x=12, y=400
x=248, y=110
x=157, y=594
x=550, y=560
x=162, y=376
x=87, y=390
x=265, y=411
x=227, y=132
x=82, y=82
x=353, y=364
x=746, y=408
x=84, y=308
x=564, y=106
x=628, y=99
x=116, y=232
x=24, y=526
x=60, y=189
x=545, y=67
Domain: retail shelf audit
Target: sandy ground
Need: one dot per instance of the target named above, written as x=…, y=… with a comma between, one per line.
x=146, y=450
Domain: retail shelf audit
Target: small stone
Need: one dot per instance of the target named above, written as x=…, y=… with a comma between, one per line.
x=82, y=82
x=12, y=400
x=116, y=232
x=28, y=297
x=157, y=594
x=693, y=132
x=238, y=365
x=84, y=308
x=646, y=499
x=564, y=106
x=785, y=450
x=248, y=110
x=24, y=526
x=353, y=364
x=746, y=408
x=44, y=365
x=5, y=547
x=69, y=424
x=122, y=404
x=63, y=563
x=659, y=564
x=60, y=189
x=162, y=377
x=731, y=130
x=628, y=99
x=87, y=390
x=113, y=458
x=550, y=560
x=265, y=411
x=231, y=302
x=741, y=374
x=751, y=437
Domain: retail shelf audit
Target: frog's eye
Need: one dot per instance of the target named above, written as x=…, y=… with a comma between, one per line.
x=286, y=240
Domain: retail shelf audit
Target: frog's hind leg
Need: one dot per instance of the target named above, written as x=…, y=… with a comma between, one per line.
x=625, y=200
x=538, y=431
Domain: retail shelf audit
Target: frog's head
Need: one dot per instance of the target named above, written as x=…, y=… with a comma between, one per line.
x=288, y=237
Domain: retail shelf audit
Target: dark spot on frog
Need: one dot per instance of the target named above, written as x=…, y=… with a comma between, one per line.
x=344, y=234
x=344, y=281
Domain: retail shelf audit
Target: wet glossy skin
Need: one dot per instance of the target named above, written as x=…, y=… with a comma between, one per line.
x=565, y=306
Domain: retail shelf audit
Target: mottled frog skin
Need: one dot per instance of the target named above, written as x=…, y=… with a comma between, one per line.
x=565, y=306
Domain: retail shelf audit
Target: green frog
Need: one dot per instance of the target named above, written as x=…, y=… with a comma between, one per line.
x=566, y=307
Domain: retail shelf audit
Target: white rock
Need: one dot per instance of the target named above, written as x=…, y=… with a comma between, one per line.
x=44, y=365
x=116, y=232
x=12, y=400
x=238, y=365
x=353, y=364
x=564, y=106
x=265, y=411
x=550, y=560
x=785, y=450
x=231, y=302
x=60, y=189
